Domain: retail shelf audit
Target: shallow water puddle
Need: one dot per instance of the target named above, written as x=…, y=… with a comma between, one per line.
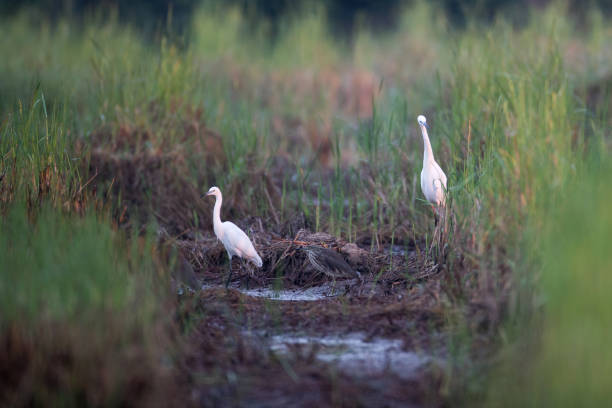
x=354, y=355
x=310, y=294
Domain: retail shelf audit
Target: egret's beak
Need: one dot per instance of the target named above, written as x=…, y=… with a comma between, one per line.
x=209, y=193
x=425, y=124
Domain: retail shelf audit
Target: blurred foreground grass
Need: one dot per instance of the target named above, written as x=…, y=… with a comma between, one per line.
x=562, y=358
x=57, y=267
x=307, y=130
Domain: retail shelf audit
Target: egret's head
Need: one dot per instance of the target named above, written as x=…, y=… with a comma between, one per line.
x=422, y=121
x=213, y=191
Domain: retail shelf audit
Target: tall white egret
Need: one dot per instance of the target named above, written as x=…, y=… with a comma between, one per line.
x=235, y=241
x=433, y=179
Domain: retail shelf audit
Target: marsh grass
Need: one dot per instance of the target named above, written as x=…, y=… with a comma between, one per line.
x=513, y=111
x=35, y=156
x=564, y=360
x=76, y=294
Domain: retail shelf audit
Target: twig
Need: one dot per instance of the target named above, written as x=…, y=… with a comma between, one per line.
x=88, y=181
x=283, y=254
x=293, y=241
x=271, y=205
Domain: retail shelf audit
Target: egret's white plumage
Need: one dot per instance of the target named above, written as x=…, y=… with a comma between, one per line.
x=235, y=241
x=433, y=179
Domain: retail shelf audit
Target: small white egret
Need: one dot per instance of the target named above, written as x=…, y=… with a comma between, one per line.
x=433, y=179
x=235, y=241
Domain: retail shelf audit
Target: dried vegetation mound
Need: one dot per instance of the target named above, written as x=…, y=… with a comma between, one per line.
x=309, y=259
x=151, y=173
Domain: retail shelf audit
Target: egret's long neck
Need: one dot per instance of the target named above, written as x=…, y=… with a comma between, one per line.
x=217, y=214
x=427, y=152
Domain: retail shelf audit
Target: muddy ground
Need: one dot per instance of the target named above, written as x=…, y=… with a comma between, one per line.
x=322, y=323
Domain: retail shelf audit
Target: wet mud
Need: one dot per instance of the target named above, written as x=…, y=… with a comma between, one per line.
x=323, y=323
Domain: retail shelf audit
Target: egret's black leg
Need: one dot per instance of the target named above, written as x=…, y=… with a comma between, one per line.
x=229, y=274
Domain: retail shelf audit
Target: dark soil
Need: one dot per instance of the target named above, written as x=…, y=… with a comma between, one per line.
x=382, y=295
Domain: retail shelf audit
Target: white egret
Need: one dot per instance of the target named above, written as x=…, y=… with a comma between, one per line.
x=433, y=179
x=235, y=241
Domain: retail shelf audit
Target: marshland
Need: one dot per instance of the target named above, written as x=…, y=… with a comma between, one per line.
x=115, y=120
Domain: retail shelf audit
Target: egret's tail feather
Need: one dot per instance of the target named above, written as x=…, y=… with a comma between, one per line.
x=257, y=260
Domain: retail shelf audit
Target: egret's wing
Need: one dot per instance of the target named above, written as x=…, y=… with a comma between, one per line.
x=439, y=184
x=238, y=241
x=440, y=174
x=234, y=236
x=438, y=187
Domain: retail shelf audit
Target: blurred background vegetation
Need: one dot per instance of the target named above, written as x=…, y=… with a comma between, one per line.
x=115, y=116
x=344, y=17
